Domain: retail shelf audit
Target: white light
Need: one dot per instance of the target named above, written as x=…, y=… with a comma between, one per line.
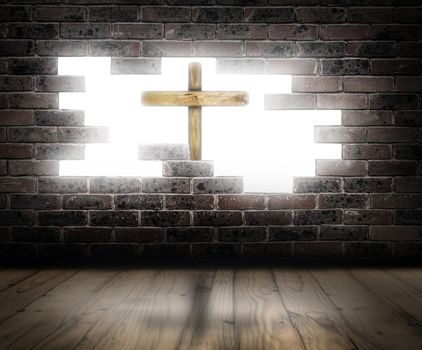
x=268, y=148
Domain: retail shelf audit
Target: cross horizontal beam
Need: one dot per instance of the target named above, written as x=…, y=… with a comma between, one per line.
x=194, y=98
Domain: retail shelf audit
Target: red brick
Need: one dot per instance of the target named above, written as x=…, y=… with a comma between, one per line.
x=291, y=201
x=16, y=117
x=368, y=217
x=15, y=151
x=239, y=202
x=17, y=184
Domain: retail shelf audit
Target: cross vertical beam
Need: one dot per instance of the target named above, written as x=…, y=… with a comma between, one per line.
x=195, y=113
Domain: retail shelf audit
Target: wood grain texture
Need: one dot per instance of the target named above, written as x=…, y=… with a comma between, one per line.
x=194, y=98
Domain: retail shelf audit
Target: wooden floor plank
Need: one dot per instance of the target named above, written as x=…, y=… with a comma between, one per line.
x=319, y=323
x=12, y=276
x=260, y=317
x=374, y=321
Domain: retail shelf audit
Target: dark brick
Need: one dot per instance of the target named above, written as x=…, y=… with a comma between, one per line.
x=17, y=250
x=408, y=217
x=86, y=234
x=393, y=101
x=291, y=32
x=114, y=250
x=321, y=49
x=408, y=184
x=275, y=250
x=410, y=49
x=287, y=233
x=139, y=234
x=368, y=217
x=85, y=30
x=408, y=151
x=166, y=14
x=16, y=47
x=314, y=184
x=60, y=14
x=363, y=184
x=15, y=83
x=366, y=249
x=114, y=185
x=36, y=101
x=328, y=167
x=243, y=66
x=393, y=134
x=113, y=13
x=29, y=134
x=220, y=14
x=318, y=249
x=317, y=217
x=367, y=152
x=361, y=118
x=16, y=217
x=61, y=83
x=289, y=101
x=138, y=31
x=187, y=168
x=15, y=13
x=408, y=118
x=371, y=15
x=241, y=31
x=60, y=251
x=62, y=184
x=165, y=218
x=316, y=84
x=190, y=31
x=135, y=66
x=59, y=118
x=334, y=134
x=36, y=234
x=166, y=250
x=348, y=66
x=115, y=48
x=343, y=233
x=3, y=201
x=291, y=201
x=60, y=151
x=145, y=202
x=344, y=32
x=242, y=234
x=32, y=65
x=3, y=168
x=166, y=185
x=217, y=218
x=189, y=202
x=340, y=200
x=396, y=200
x=372, y=49
x=216, y=250
x=241, y=202
x=407, y=84
x=218, y=48
x=13, y=151
x=266, y=218
x=62, y=218
x=395, y=66
x=292, y=66
x=34, y=201
x=394, y=32
x=271, y=49
x=218, y=185
x=16, y=117
x=270, y=15
x=17, y=184
x=87, y=201
x=368, y=84
x=390, y=167
x=320, y=14
x=167, y=48
x=410, y=249
x=113, y=218
x=33, y=31
x=190, y=234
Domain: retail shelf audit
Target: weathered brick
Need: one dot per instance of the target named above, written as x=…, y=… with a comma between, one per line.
x=166, y=185
x=242, y=234
x=13, y=151
x=216, y=250
x=265, y=218
x=217, y=218
x=275, y=250
x=218, y=185
x=86, y=234
x=87, y=201
x=316, y=84
x=135, y=66
x=289, y=101
x=113, y=13
x=94, y=134
x=113, y=218
x=242, y=65
x=328, y=167
x=36, y=101
x=366, y=249
x=17, y=184
x=241, y=31
x=36, y=234
x=166, y=48
x=292, y=66
x=391, y=167
x=114, y=184
x=361, y=118
x=408, y=184
x=60, y=151
x=368, y=217
x=16, y=117
x=33, y=31
x=32, y=65
x=372, y=49
x=393, y=101
x=186, y=168
x=62, y=184
x=371, y=15
x=271, y=49
x=33, y=134
x=61, y=83
x=62, y=218
x=15, y=83
x=334, y=134
x=348, y=66
x=218, y=48
x=34, y=201
x=190, y=234
x=60, y=14
x=343, y=233
x=395, y=201
x=16, y=217
x=367, y=152
x=408, y=118
x=15, y=13
x=344, y=32
x=241, y=202
x=59, y=118
x=115, y=48
x=145, y=202
x=288, y=233
x=321, y=49
x=165, y=218
x=340, y=200
x=189, y=202
x=394, y=233
x=139, y=234
x=363, y=184
x=291, y=201
x=317, y=249
x=163, y=151
x=395, y=66
x=190, y=31
x=394, y=32
x=85, y=30
x=166, y=14
x=217, y=14
x=292, y=32
x=16, y=47
x=315, y=184
x=368, y=84
x=137, y=31
x=320, y=14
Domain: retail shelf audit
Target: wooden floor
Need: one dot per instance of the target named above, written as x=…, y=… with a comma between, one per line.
x=211, y=308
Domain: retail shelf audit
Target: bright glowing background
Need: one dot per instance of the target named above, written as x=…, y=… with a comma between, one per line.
x=268, y=148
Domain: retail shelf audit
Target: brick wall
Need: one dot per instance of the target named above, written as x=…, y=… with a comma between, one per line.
x=360, y=56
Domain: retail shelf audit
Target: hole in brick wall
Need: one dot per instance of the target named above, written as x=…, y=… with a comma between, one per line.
x=267, y=147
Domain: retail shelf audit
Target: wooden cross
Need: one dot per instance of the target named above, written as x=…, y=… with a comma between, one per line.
x=194, y=99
